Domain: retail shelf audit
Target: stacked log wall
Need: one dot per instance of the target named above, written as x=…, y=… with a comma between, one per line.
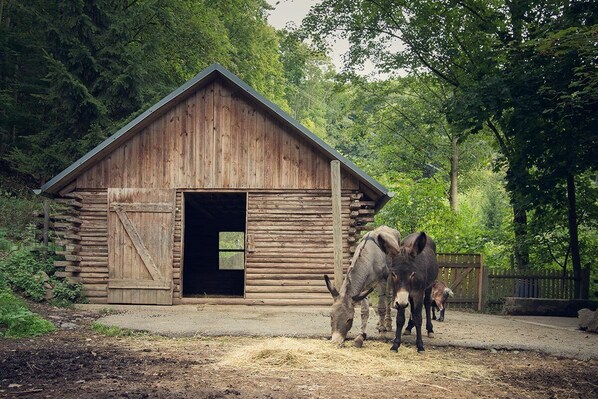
x=362, y=218
x=85, y=255
x=290, y=246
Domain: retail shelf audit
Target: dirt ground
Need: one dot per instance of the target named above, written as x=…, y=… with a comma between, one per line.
x=77, y=362
x=558, y=336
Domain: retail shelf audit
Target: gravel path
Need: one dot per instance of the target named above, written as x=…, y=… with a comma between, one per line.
x=557, y=336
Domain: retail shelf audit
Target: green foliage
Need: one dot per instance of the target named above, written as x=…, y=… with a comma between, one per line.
x=65, y=293
x=16, y=321
x=24, y=269
x=481, y=226
x=26, y=273
x=74, y=72
x=16, y=214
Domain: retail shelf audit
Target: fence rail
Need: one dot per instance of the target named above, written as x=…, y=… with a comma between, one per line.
x=552, y=284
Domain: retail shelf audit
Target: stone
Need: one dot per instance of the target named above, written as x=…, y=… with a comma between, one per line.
x=588, y=320
x=68, y=326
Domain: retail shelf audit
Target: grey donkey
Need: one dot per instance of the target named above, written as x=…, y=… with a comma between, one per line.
x=368, y=269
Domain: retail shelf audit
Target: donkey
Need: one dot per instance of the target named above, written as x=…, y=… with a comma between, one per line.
x=368, y=269
x=414, y=269
x=440, y=296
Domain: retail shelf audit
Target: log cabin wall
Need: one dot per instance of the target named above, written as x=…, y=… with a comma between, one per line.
x=85, y=242
x=218, y=140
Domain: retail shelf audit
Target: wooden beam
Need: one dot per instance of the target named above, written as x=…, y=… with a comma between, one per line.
x=46, y=225
x=337, y=222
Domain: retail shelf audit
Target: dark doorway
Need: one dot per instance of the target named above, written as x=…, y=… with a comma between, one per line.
x=214, y=259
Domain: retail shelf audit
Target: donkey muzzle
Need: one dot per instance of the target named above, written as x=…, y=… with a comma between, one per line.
x=402, y=299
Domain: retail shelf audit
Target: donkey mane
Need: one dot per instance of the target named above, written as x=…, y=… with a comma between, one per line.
x=355, y=278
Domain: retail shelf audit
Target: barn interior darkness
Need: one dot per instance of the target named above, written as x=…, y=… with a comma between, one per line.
x=207, y=217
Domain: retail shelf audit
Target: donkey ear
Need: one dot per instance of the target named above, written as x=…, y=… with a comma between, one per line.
x=419, y=244
x=362, y=295
x=388, y=244
x=330, y=287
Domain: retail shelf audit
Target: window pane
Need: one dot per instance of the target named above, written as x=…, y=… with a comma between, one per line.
x=231, y=260
x=232, y=240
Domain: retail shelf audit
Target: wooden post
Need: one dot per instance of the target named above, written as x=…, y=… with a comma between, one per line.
x=585, y=282
x=46, y=227
x=337, y=226
x=46, y=221
x=483, y=288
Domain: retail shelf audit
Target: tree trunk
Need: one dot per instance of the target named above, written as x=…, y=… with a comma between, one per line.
x=453, y=199
x=573, y=235
x=521, y=245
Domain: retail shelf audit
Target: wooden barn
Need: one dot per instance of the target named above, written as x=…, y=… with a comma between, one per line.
x=212, y=195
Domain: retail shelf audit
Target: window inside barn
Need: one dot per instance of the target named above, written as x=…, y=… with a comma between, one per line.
x=231, y=250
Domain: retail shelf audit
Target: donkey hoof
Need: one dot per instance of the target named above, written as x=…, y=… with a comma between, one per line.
x=394, y=348
x=431, y=334
x=419, y=350
x=407, y=332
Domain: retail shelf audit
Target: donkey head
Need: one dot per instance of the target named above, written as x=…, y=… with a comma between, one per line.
x=342, y=312
x=406, y=279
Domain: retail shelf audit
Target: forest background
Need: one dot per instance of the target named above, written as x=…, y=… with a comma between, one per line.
x=482, y=121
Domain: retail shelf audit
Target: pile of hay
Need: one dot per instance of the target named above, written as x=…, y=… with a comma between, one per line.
x=374, y=360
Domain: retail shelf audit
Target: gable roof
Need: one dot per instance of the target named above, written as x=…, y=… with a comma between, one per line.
x=207, y=75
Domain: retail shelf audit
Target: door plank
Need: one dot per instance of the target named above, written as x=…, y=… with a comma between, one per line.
x=139, y=246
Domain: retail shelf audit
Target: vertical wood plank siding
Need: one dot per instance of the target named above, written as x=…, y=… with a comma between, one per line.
x=214, y=139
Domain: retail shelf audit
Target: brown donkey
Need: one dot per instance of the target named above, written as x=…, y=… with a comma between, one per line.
x=440, y=296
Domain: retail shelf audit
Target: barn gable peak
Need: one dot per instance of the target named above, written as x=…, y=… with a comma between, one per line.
x=201, y=79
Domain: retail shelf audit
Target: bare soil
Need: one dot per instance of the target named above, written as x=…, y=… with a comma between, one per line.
x=76, y=362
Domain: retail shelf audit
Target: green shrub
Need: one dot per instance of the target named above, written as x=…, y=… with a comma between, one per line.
x=65, y=293
x=16, y=321
x=26, y=272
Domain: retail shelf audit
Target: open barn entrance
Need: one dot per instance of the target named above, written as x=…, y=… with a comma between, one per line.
x=214, y=246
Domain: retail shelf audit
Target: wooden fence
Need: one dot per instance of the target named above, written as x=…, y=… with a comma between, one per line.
x=551, y=284
x=476, y=287
x=463, y=274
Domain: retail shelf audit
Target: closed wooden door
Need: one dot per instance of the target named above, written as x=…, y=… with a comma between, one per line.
x=140, y=243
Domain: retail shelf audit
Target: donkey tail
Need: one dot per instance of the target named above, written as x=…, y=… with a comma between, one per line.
x=448, y=292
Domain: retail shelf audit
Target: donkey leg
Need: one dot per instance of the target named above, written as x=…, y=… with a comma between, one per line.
x=382, y=308
x=388, y=318
x=417, y=317
x=441, y=318
x=410, y=323
x=427, y=302
x=400, y=322
x=433, y=310
x=365, y=314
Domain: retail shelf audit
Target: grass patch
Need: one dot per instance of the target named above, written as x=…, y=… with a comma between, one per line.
x=16, y=321
x=111, y=331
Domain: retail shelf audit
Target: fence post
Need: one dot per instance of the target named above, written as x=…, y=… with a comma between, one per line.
x=585, y=282
x=483, y=287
